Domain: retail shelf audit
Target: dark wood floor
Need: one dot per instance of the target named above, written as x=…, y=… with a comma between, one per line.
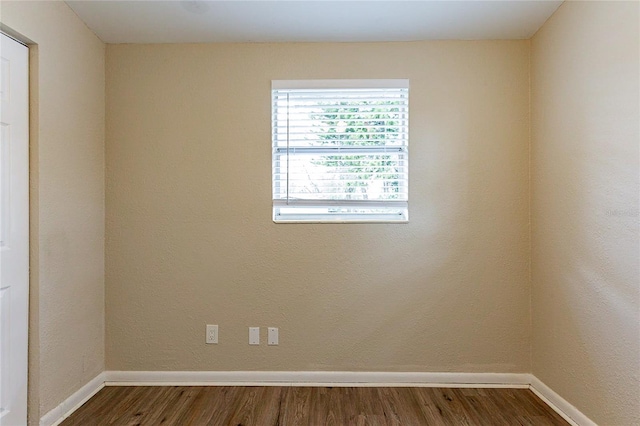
x=264, y=406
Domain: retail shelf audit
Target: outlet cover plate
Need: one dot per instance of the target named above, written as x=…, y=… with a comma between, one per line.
x=254, y=335
x=212, y=334
x=272, y=340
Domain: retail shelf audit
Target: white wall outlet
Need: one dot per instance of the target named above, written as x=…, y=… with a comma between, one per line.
x=254, y=335
x=212, y=334
x=273, y=336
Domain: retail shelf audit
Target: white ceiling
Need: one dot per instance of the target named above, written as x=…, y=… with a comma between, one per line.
x=299, y=21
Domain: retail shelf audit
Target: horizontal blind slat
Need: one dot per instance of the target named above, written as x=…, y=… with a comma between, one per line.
x=341, y=150
x=364, y=203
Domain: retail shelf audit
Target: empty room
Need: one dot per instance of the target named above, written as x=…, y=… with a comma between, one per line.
x=320, y=212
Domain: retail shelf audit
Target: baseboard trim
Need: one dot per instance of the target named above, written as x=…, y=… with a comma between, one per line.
x=314, y=378
x=317, y=378
x=71, y=404
x=560, y=405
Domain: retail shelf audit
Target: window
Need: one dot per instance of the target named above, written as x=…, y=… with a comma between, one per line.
x=340, y=150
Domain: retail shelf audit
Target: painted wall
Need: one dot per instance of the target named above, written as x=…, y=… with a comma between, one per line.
x=67, y=200
x=585, y=199
x=190, y=239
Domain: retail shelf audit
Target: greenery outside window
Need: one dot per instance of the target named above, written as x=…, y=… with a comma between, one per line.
x=340, y=150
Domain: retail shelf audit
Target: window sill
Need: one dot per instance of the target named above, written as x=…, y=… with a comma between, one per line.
x=342, y=222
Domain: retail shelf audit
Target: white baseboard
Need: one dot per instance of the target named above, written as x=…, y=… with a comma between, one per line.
x=71, y=404
x=314, y=378
x=560, y=405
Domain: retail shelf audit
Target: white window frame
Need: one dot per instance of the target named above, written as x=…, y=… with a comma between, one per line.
x=400, y=207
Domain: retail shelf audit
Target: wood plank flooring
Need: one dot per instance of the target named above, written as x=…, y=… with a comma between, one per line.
x=264, y=406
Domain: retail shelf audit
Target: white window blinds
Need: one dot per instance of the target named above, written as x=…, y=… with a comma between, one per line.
x=340, y=150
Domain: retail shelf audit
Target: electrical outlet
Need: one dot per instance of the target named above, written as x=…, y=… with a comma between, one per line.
x=272, y=340
x=254, y=335
x=212, y=334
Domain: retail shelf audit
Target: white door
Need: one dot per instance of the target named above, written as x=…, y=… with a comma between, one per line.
x=14, y=231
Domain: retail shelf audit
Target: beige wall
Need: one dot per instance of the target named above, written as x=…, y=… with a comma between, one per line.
x=585, y=164
x=67, y=201
x=190, y=239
